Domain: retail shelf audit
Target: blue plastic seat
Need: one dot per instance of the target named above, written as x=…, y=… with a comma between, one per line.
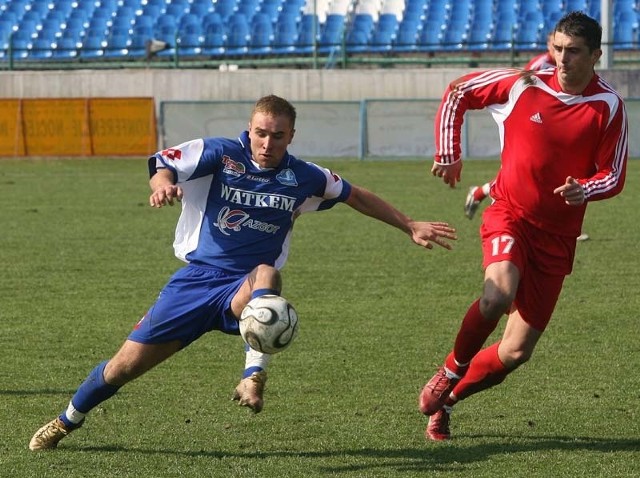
x=65, y=48
x=285, y=37
x=189, y=45
x=117, y=45
x=92, y=47
x=262, y=37
x=357, y=41
x=214, y=40
x=41, y=48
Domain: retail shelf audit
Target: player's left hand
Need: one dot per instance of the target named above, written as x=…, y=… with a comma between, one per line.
x=450, y=173
x=572, y=192
x=426, y=234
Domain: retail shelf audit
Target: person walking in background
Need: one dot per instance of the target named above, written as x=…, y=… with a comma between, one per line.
x=240, y=198
x=549, y=172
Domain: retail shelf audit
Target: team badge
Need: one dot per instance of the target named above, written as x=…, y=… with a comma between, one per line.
x=232, y=167
x=287, y=178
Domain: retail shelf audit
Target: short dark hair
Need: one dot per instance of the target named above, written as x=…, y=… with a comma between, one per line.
x=275, y=106
x=579, y=24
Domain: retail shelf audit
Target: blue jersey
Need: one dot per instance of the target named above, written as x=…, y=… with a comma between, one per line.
x=236, y=215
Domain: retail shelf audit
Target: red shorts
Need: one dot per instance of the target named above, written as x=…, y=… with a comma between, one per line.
x=543, y=260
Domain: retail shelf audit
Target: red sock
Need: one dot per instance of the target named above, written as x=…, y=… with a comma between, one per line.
x=485, y=371
x=473, y=333
x=479, y=194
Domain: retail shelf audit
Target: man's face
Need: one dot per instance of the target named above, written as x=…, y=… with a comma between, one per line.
x=574, y=61
x=270, y=136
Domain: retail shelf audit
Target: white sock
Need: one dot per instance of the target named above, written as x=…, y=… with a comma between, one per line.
x=73, y=415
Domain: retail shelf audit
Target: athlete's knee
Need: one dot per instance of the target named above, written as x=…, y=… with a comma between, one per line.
x=494, y=303
x=266, y=274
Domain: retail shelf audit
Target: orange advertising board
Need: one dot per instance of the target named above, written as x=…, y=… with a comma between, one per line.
x=77, y=127
x=11, y=136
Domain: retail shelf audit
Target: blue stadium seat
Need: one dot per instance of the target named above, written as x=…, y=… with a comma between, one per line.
x=357, y=41
x=65, y=48
x=406, y=40
x=262, y=37
x=430, y=38
x=41, y=48
x=624, y=35
x=214, y=41
x=503, y=35
x=455, y=35
x=306, y=30
x=20, y=48
x=117, y=45
x=189, y=45
x=285, y=36
x=92, y=47
x=238, y=35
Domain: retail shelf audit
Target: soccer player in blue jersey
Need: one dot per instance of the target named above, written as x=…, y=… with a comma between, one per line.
x=239, y=198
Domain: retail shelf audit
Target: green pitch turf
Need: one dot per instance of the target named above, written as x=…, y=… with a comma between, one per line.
x=83, y=256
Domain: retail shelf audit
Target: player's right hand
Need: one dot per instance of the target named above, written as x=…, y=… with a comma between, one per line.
x=165, y=195
x=450, y=173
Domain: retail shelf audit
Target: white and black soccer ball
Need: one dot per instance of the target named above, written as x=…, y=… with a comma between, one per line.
x=269, y=324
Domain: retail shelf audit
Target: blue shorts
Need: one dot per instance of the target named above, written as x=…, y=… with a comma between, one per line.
x=196, y=300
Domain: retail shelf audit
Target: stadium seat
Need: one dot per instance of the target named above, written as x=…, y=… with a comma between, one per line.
x=92, y=47
x=430, y=37
x=238, y=35
x=503, y=35
x=262, y=37
x=214, y=40
x=308, y=33
x=455, y=35
x=117, y=45
x=357, y=41
x=285, y=36
x=406, y=40
x=41, y=48
x=65, y=48
x=189, y=45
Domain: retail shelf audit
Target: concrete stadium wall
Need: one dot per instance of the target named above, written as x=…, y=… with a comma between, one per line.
x=247, y=85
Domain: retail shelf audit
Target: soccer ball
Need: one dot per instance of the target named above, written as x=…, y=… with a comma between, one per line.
x=269, y=324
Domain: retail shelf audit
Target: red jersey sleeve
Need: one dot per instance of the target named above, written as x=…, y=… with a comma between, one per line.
x=473, y=91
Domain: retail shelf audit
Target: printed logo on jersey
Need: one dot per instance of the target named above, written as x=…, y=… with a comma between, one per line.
x=536, y=118
x=258, y=179
x=232, y=167
x=172, y=154
x=236, y=219
x=253, y=199
x=287, y=178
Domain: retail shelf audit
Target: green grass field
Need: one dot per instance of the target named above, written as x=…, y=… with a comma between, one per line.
x=83, y=256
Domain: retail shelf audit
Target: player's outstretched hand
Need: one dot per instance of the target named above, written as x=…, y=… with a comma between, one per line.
x=572, y=192
x=165, y=195
x=450, y=173
x=426, y=234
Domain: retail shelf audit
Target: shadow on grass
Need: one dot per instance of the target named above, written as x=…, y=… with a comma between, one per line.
x=45, y=391
x=445, y=457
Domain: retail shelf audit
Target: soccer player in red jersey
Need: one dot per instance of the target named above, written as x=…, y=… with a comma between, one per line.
x=564, y=143
x=477, y=194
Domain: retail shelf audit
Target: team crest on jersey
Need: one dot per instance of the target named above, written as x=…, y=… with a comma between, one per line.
x=287, y=178
x=232, y=167
x=172, y=154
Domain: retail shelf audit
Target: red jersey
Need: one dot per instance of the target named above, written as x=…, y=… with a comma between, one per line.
x=540, y=62
x=545, y=136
